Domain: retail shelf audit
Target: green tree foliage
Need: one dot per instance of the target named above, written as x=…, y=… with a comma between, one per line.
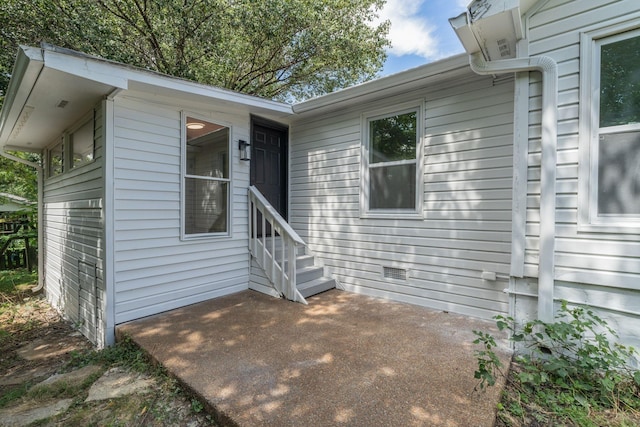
x=620, y=83
x=280, y=49
x=17, y=178
x=393, y=138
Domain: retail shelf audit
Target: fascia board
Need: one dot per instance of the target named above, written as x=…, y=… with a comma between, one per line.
x=27, y=68
x=85, y=67
x=122, y=76
x=167, y=83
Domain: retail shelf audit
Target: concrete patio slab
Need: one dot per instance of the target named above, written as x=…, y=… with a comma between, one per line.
x=345, y=359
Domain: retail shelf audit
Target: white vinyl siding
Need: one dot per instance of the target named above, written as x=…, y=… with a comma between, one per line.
x=468, y=154
x=73, y=237
x=599, y=268
x=155, y=270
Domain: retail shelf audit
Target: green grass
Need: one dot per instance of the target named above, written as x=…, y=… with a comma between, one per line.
x=124, y=353
x=15, y=280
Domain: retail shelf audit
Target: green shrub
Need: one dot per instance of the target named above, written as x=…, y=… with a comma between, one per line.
x=570, y=366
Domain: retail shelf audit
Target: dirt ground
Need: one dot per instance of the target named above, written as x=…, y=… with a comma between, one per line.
x=36, y=343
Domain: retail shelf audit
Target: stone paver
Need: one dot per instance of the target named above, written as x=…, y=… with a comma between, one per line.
x=27, y=413
x=72, y=378
x=42, y=348
x=117, y=382
x=18, y=375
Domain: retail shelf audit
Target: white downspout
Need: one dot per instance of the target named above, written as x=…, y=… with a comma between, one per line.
x=549, y=69
x=38, y=169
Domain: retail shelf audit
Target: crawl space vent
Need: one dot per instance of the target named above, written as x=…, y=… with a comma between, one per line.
x=394, y=273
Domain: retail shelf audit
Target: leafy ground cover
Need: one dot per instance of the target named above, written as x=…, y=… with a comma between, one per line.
x=567, y=373
x=27, y=318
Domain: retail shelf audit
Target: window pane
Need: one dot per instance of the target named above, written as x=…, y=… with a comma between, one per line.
x=392, y=187
x=620, y=83
x=82, y=144
x=393, y=138
x=208, y=150
x=205, y=206
x=55, y=160
x=619, y=174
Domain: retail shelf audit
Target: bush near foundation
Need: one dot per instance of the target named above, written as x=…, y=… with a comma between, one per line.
x=569, y=371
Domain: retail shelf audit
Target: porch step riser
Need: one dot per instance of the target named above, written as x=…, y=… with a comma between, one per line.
x=303, y=261
x=316, y=286
x=310, y=279
x=308, y=274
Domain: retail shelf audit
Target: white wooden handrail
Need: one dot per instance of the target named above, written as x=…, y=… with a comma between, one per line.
x=275, y=253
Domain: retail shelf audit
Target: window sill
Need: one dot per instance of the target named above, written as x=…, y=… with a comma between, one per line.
x=392, y=215
x=204, y=236
x=610, y=227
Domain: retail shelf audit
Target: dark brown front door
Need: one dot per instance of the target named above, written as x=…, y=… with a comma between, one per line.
x=269, y=165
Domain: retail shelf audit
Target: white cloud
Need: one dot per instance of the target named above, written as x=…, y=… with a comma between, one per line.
x=410, y=34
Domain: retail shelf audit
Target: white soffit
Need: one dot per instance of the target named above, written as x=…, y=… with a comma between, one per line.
x=60, y=86
x=57, y=101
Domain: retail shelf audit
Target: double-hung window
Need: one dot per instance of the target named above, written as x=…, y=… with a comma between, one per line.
x=611, y=121
x=392, y=164
x=206, y=178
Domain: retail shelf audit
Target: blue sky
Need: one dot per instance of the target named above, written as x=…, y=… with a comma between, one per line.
x=420, y=32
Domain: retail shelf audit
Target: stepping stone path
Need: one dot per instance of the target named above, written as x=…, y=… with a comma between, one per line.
x=42, y=348
x=28, y=413
x=72, y=378
x=116, y=382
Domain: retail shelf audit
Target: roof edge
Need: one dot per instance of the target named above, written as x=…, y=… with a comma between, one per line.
x=59, y=58
x=26, y=69
x=369, y=88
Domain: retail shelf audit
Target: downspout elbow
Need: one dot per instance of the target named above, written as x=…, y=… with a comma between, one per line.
x=544, y=64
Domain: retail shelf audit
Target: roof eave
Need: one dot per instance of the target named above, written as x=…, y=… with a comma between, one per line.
x=27, y=68
x=405, y=80
x=95, y=68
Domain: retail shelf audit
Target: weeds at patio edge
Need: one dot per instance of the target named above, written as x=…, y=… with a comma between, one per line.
x=568, y=374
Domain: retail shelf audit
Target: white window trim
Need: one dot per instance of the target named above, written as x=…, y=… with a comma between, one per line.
x=49, y=170
x=67, y=149
x=418, y=212
x=183, y=176
x=89, y=117
x=588, y=219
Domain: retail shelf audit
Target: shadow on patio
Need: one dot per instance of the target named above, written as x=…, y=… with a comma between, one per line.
x=345, y=359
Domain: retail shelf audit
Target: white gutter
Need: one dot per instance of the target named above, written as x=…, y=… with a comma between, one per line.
x=39, y=171
x=549, y=69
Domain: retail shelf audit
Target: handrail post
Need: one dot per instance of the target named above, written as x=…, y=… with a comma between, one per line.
x=292, y=268
x=280, y=271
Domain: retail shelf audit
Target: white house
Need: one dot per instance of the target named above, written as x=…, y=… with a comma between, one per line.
x=498, y=181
